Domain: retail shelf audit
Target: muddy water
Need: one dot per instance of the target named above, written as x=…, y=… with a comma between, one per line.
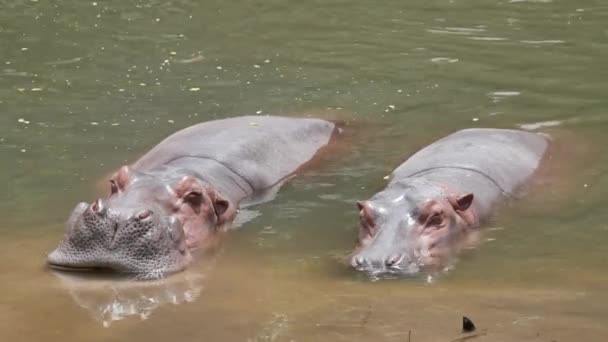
x=86, y=86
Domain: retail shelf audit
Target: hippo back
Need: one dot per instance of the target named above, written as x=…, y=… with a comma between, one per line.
x=261, y=149
x=506, y=157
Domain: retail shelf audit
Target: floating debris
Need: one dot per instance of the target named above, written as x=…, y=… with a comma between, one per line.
x=467, y=324
x=194, y=89
x=170, y=121
x=36, y=89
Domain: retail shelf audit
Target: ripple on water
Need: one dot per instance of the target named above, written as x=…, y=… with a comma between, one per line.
x=497, y=96
x=488, y=38
x=457, y=30
x=548, y=41
x=444, y=60
x=536, y=125
x=532, y=1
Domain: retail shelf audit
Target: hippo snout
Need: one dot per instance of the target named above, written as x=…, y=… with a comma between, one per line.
x=382, y=263
x=127, y=239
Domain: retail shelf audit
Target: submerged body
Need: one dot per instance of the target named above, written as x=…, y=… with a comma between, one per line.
x=441, y=194
x=180, y=194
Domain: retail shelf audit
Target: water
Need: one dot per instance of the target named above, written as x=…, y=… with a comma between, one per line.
x=87, y=86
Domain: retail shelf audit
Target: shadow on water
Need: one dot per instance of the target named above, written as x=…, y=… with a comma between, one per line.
x=110, y=297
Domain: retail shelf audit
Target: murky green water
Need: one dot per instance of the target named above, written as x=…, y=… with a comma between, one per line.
x=86, y=86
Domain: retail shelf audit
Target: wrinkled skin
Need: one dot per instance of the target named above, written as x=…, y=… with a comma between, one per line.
x=439, y=196
x=181, y=194
x=149, y=228
x=411, y=226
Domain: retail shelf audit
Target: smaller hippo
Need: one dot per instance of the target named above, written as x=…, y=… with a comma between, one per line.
x=441, y=194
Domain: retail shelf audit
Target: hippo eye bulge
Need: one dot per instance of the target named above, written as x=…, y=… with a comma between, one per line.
x=436, y=220
x=113, y=187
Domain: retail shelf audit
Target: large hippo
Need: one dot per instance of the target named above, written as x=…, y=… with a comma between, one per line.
x=182, y=193
x=439, y=195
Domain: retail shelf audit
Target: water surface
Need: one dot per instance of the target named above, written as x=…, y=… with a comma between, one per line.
x=87, y=86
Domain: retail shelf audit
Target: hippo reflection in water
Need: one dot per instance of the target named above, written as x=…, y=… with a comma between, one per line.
x=180, y=195
x=440, y=195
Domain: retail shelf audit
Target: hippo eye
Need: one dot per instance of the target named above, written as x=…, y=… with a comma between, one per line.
x=435, y=220
x=113, y=187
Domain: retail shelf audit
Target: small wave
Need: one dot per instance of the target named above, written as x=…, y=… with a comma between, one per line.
x=532, y=1
x=548, y=41
x=536, y=125
x=456, y=30
x=488, y=38
x=444, y=60
x=504, y=93
x=497, y=96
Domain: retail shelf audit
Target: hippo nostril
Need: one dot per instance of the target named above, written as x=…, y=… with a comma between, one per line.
x=144, y=214
x=359, y=261
x=393, y=260
x=98, y=207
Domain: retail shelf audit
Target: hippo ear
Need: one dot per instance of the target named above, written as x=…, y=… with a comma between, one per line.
x=463, y=202
x=220, y=206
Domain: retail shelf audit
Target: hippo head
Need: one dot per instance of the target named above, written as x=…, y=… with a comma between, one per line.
x=410, y=226
x=145, y=227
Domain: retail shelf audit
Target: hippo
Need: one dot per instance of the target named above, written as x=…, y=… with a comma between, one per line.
x=183, y=193
x=440, y=195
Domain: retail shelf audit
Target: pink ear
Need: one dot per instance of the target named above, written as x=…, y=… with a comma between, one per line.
x=122, y=177
x=463, y=202
x=220, y=206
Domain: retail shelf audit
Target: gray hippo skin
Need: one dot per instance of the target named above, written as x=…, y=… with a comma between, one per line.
x=179, y=195
x=439, y=195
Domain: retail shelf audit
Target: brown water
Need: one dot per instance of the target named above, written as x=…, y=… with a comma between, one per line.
x=86, y=86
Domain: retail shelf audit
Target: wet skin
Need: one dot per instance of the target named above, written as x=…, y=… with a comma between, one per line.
x=439, y=196
x=181, y=194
